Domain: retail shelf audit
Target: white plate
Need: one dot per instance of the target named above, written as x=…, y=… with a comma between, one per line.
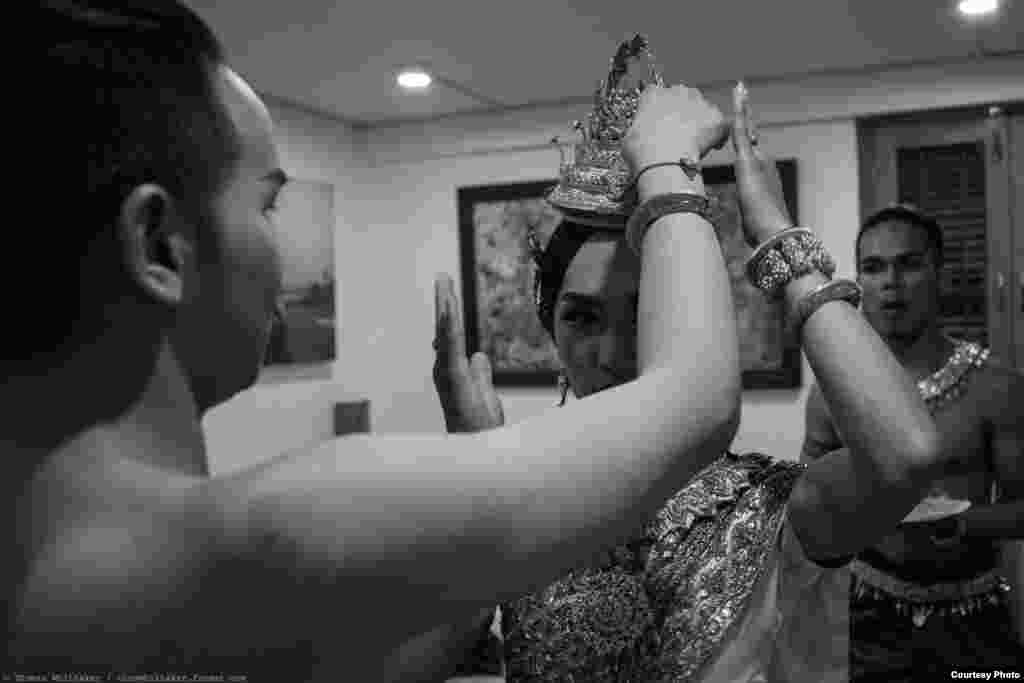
x=931, y=509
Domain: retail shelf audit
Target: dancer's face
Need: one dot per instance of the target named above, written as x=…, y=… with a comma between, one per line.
x=595, y=315
x=900, y=279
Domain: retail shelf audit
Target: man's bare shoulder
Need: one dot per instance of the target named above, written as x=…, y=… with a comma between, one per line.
x=132, y=573
x=998, y=369
x=121, y=563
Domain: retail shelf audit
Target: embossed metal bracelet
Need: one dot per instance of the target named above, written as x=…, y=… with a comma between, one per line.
x=785, y=256
x=833, y=290
x=661, y=205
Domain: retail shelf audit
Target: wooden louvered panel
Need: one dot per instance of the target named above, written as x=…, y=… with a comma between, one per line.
x=948, y=182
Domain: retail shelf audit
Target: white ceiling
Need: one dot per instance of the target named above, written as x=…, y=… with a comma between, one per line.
x=341, y=57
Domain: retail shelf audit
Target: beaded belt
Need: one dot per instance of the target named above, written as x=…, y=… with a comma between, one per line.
x=955, y=598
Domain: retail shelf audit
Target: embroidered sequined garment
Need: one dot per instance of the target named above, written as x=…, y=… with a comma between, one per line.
x=659, y=607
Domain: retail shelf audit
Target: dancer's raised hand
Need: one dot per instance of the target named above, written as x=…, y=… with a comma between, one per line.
x=761, y=201
x=464, y=385
x=673, y=123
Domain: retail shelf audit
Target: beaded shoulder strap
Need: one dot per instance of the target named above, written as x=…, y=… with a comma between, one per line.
x=949, y=382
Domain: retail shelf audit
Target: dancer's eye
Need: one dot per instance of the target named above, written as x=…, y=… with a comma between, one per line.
x=579, y=318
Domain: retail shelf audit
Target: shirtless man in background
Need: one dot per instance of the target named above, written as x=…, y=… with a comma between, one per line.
x=929, y=594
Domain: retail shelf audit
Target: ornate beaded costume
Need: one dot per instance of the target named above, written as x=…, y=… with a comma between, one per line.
x=909, y=599
x=658, y=608
x=959, y=621
x=948, y=382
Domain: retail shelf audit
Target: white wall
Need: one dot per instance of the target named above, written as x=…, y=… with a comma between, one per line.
x=397, y=227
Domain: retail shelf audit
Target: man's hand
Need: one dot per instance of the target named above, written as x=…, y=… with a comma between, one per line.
x=464, y=386
x=671, y=123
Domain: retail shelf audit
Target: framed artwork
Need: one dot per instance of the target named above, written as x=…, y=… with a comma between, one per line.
x=497, y=279
x=767, y=359
x=302, y=344
x=497, y=282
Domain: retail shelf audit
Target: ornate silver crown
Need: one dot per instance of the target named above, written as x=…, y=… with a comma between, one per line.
x=594, y=187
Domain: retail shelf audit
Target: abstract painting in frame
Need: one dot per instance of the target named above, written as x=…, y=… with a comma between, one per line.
x=497, y=279
x=302, y=335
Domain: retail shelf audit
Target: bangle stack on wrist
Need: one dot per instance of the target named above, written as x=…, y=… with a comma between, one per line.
x=785, y=256
x=791, y=254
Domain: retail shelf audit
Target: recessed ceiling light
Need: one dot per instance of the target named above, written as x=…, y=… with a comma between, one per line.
x=977, y=8
x=414, y=79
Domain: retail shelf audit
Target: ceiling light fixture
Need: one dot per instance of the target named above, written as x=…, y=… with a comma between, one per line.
x=414, y=79
x=419, y=78
x=977, y=8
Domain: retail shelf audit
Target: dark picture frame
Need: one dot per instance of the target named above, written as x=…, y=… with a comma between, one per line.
x=497, y=277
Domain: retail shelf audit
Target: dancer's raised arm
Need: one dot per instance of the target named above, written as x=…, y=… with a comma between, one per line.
x=851, y=497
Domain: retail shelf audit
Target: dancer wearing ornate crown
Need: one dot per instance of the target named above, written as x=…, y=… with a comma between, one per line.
x=727, y=582
x=929, y=597
x=120, y=553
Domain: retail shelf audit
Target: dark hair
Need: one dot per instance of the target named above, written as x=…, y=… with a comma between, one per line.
x=552, y=263
x=127, y=97
x=906, y=213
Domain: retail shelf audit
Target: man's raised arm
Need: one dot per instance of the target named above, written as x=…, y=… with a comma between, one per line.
x=438, y=527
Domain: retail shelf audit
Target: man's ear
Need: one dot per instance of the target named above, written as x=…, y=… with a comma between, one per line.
x=153, y=243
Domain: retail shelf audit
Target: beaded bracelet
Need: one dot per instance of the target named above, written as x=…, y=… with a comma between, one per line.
x=834, y=290
x=785, y=256
x=661, y=205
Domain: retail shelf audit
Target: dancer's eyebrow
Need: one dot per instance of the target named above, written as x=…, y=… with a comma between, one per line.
x=581, y=298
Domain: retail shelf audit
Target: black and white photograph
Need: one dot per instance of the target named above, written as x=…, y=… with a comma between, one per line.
x=515, y=342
